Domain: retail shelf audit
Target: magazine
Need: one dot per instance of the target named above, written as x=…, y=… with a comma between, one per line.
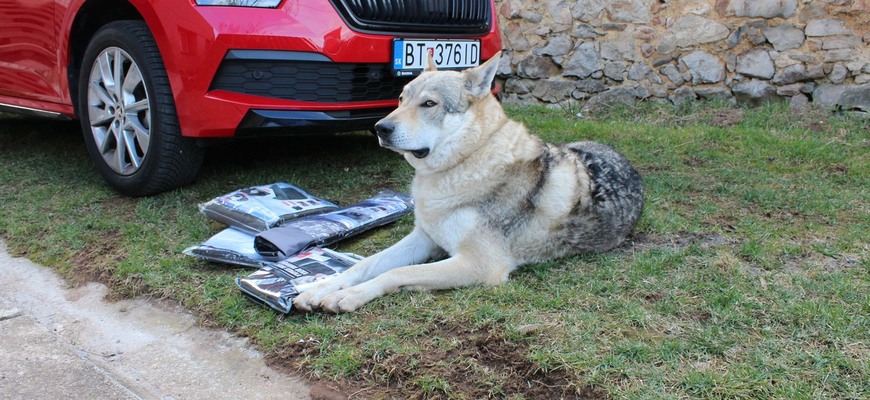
x=322, y=229
x=277, y=284
x=258, y=208
x=229, y=246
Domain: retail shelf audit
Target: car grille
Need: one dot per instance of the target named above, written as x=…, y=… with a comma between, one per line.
x=309, y=80
x=417, y=16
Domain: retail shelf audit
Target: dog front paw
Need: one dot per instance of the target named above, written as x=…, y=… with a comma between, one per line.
x=311, y=297
x=347, y=300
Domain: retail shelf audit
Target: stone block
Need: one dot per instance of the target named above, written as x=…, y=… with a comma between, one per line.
x=826, y=27
x=704, y=67
x=838, y=55
x=584, y=61
x=753, y=92
x=812, y=11
x=855, y=97
x=714, y=93
x=557, y=46
x=647, y=49
x=645, y=33
x=754, y=32
x=537, y=67
x=692, y=30
x=613, y=27
x=790, y=90
x=515, y=38
x=638, y=71
x=791, y=74
x=612, y=96
x=799, y=101
x=590, y=86
x=671, y=72
x=697, y=8
x=838, y=73
x=856, y=66
x=841, y=42
x=560, y=12
x=553, y=90
x=518, y=86
x=619, y=47
x=505, y=65
x=510, y=9
x=532, y=17
x=784, y=37
x=755, y=63
x=589, y=10
x=633, y=11
x=827, y=95
x=815, y=71
x=757, y=8
x=585, y=32
x=682, y=95
x=615, y=70
x=802, y=57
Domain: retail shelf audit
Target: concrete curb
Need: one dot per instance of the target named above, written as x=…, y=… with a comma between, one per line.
x=58, y=343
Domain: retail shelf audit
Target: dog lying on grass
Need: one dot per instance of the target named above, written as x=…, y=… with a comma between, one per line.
x=488, y=195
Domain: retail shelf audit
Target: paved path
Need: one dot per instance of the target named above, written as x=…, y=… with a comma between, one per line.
x=61, y=343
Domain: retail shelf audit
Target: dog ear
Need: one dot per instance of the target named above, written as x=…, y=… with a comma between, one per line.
x=430, y=62
x=478, y=80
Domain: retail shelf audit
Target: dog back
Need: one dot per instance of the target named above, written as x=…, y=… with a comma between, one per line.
x=605, y=201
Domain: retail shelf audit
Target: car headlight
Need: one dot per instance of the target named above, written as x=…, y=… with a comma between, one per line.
x=240, y=3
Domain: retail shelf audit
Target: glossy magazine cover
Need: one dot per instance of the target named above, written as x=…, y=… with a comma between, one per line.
x=276, y=285
x=258, y=208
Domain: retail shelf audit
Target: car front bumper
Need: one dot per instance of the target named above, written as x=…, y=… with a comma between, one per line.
x=296, y=68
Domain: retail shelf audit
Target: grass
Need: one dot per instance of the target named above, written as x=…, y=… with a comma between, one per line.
x=747, y=276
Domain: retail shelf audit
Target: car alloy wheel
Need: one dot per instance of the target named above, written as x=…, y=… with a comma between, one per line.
x=128, y=115
x=119, y=111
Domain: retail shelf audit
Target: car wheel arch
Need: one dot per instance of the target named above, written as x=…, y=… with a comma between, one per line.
x=91, y=15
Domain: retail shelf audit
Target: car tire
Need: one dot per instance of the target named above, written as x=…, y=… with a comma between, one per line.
x=131, y=129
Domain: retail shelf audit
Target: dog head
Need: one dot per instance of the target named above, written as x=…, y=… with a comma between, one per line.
x=436, y=124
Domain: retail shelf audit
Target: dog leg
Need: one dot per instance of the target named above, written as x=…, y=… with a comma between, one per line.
x=458, y=271
x=415, y=248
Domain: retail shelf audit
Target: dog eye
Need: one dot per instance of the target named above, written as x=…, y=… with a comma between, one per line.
x=428, y=104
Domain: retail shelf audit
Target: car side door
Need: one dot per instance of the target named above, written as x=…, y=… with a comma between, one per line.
x=28, y=50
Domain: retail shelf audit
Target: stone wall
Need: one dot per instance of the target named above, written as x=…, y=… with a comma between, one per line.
x=751, y=51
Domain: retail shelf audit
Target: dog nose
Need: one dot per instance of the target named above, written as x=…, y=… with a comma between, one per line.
x=384, y=129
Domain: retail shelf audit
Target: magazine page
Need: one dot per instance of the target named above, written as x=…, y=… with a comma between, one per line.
x=257, y=208
x=276, y=285
x=229, y=246
x=329, y=227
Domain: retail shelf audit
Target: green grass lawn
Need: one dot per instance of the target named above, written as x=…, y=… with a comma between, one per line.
x=748, y=275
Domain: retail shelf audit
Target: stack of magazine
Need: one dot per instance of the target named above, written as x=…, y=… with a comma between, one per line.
x=278, y=228
x=277, y=284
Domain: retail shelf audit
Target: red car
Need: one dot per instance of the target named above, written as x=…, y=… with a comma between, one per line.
x=149, y=78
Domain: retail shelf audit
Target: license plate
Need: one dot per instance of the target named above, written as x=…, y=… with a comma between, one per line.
x=409, y=56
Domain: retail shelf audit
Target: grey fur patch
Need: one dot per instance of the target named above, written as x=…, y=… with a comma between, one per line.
x=596, y=223
x=512, y=204
x=616, y=201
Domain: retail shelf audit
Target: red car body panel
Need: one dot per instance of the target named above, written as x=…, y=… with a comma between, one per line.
x=30, y=74
x=193, y=41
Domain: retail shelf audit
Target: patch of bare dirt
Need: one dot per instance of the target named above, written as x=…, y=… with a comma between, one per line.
x=640, y=241
x=725, y=118
x=483, y=364
x=87, y=262
x=94, y=264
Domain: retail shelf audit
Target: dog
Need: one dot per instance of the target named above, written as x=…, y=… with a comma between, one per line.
x=488, y=196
